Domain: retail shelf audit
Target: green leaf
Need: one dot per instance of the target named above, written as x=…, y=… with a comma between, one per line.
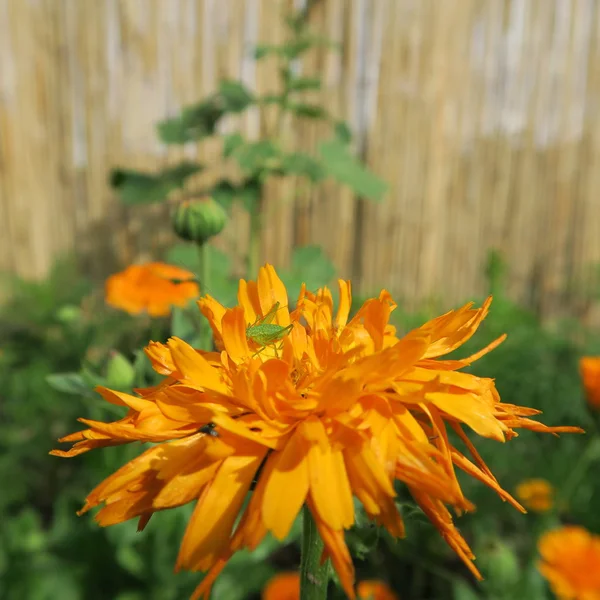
x=136, y=187
x=342, y=132
x=264, y=50
x=130, y=560
x=343, y=167
x=310, y=265
x=249, y=194
x=268, y=99
x=254, y=157
x=294, y=48
x=299, y=163
x=120, y=373
x=231, y=143
x=194, y=123
x=182, y=325
x=223, y=286
x=69, y=383
x=304, y=83
x=463, y=591
x=184, y=256
x=235, y=96
x=309, y=111
x=224, y=192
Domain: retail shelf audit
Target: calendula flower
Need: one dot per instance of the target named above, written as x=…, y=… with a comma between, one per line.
x=286, y=586
x=153, y=288
x=283, y=586
x=536, y=494
x=571, y=563
x=312, y=410
x=589, y=367
x=373, y=589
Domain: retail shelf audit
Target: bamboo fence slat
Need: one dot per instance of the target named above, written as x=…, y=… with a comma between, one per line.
x=481, y=115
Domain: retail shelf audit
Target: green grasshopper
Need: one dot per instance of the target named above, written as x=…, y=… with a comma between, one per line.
x=264, y=333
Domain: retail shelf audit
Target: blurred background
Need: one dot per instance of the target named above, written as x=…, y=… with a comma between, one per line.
x=483, y=119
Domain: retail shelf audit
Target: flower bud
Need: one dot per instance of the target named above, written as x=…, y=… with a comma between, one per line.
x=199, y=220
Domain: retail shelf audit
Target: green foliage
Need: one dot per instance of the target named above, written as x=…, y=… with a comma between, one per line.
x=45, y=550
x=135, y=187
x=259, y=159
x=343, y=167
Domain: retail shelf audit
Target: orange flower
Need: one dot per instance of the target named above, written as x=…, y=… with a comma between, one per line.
x=286, y=586
x=152, y=288
x=536, y=494
x=335, y=408
x=589, y=367
x=571, y=563
x=372, y=589
x=283, y=586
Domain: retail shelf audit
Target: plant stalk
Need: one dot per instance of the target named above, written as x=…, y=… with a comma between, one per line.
x=589, y=455
x=254, y=244
x=205, y=283
x=314, y=576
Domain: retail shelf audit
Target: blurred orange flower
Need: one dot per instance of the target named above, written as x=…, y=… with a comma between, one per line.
x=152, y=287
x=571, y=563
x=336, y=408
x=286, y=586
x=283, y=586
x=589, y=367
x=372, y=589
x=536, y=494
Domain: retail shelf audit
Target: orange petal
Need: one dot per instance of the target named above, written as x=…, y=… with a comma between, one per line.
x=270, y=291
x=207, y=536
x=329, y=486
x=234, y=335
x=287, y=486
x=195, y=370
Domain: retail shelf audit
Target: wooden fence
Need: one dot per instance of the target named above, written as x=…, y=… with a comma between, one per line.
x=483, y=115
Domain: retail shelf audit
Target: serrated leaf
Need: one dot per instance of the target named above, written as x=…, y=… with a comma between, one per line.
x=342, y=132
x=268, y=99
x=224, y=192
x=235, y=96
x=299, y=163
x=294, y=48
x=69, y=383
x=308, y=111
x=343, y=167
x=231, y=143
x=263, y=50
x=136, y=187
x=194, y=123
x=256, y=156
x=304, y=83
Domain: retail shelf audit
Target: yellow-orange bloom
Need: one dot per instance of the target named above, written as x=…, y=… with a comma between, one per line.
x=589, y=367
x=336, y=408
x=153, y=288
x=283, y=586
x=571, y=563
x=286, y=586
x=372, y=589
x=536, y=494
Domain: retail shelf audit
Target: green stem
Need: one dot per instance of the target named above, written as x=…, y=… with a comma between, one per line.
x=314, y=576
x=255, y=235
x=205, y=283
x=590, y=454
x=156, y=330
